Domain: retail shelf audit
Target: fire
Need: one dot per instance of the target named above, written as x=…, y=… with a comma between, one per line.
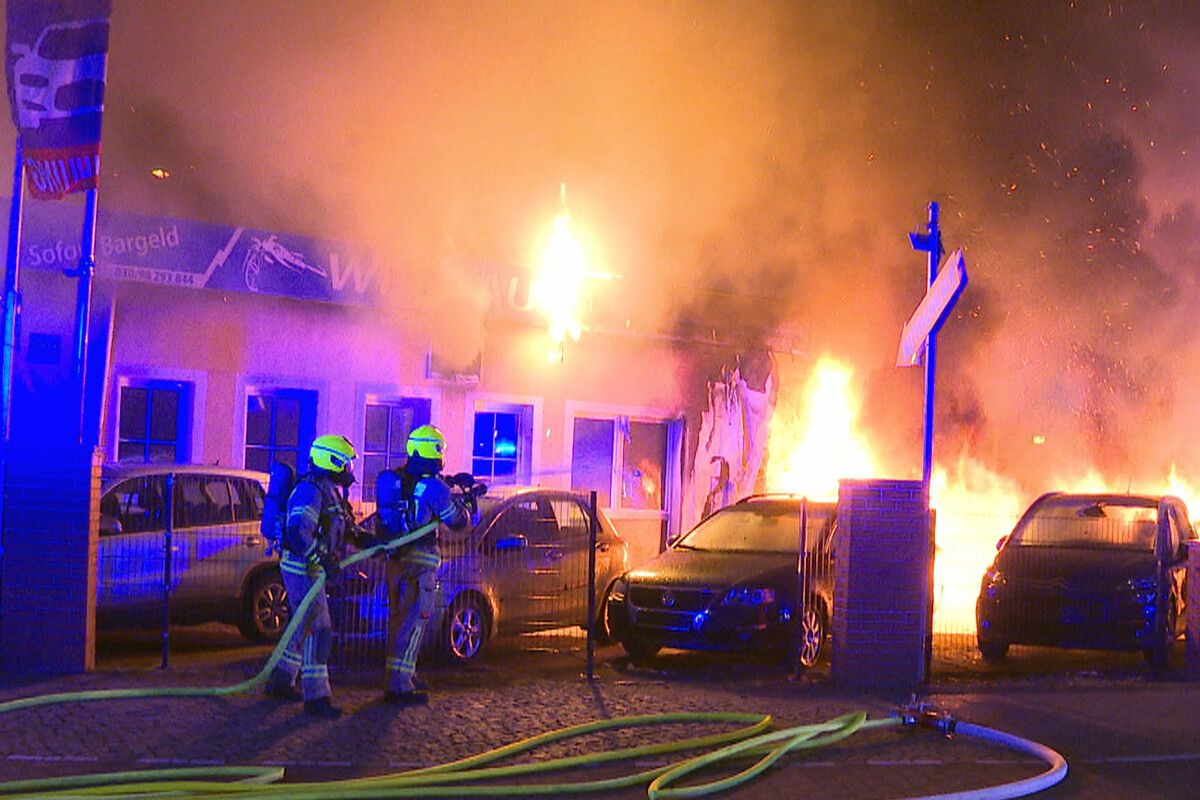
x=814, y=441
x=812, y=448
x=556, y=289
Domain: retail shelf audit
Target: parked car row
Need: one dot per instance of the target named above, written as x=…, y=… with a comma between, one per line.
x=1094, y=571
x=524, y=566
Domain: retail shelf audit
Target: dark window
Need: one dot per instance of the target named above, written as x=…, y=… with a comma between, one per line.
x=152, y=423
x=279, y=427
x=387, y=428
x=496, y=450
x=138, y=504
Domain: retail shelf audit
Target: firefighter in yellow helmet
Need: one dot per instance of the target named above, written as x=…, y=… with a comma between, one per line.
x=424, y=496
x=319, y=520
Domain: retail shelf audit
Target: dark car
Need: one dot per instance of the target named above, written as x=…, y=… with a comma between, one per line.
x=731, y=583
x=219, y=568
x=1089, y=571
x=523, y=567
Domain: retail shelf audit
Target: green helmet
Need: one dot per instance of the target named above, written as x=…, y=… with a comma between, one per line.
x=332, y=453
x=426, y=442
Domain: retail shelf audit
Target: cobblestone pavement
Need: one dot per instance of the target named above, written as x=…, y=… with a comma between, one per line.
x=1124, y=732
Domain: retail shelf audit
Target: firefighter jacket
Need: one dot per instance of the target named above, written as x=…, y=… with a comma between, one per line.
x=318, y=519
x=432, y=499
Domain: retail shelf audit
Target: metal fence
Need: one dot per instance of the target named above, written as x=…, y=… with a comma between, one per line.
x=529, y=568
x=184, y=548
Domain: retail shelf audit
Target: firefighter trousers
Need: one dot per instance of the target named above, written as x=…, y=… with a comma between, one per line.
x=307, y=652
x=412, y=583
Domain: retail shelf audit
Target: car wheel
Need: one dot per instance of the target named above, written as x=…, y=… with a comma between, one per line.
x=265, y=611
x=465, y=630
x=603, y=632
x=1160, y=655
x=992, y=651
x=812, y=635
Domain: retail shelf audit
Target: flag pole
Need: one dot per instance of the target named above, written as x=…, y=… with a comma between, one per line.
x=12, y=301
x=83, y=307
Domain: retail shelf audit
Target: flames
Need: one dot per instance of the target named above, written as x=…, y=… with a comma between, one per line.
x=557, y=288
x=817, y=443
x=815, y=440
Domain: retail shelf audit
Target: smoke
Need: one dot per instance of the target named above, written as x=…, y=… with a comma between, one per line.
x=752, y=167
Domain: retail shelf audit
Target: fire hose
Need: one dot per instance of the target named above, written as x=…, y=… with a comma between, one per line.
x=474, y=776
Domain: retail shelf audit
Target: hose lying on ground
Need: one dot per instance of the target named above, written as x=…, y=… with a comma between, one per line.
x=473, y=777
x=210, y=691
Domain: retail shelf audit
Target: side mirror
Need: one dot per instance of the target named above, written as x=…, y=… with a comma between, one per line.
x=514, y=542
x=109, y=525
x=1001, y=541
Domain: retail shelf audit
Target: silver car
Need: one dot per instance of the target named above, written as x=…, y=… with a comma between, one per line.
x=524, y=566
x=219, y=570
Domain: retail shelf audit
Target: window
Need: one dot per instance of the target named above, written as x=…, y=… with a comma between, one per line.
x=496, y=452
x=592, y=458
x=138, y=505
x=280, y=426
x=636, y=451
x=152, y=423
x=388, y=425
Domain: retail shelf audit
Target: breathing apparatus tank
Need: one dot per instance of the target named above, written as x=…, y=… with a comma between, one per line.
x=391, y=497
x=279, y=489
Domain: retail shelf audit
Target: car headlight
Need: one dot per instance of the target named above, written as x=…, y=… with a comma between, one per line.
x=1144, y=591
x=993, y=582
x=752, y=596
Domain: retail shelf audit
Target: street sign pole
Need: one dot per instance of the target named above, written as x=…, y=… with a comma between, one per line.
x=931, y=243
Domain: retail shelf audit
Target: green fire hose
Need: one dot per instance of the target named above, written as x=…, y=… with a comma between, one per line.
x=478, y=776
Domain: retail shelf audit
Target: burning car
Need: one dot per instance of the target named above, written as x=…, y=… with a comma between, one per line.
x=730, y=583
x=1088, y=571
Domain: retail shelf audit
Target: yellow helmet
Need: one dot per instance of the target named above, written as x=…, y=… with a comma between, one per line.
x=426, y=442
x=332, y=453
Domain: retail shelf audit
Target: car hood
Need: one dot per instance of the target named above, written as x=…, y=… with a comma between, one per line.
x=1075, y=566
x=682, y=567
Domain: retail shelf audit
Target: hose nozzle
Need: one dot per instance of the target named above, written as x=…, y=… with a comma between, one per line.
x=925, y=715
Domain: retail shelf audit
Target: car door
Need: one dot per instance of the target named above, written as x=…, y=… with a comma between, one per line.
x=570, y=550
x=212, y=547
x=523, y=563
x=130, y=556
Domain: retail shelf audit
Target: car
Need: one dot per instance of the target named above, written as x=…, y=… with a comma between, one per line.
x=731, y=583
x=1088, y=571
x=219, y=570
x=522, y=567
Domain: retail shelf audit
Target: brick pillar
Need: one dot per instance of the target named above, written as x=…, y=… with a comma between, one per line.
x=1191, y=644
x=51, y=517
x=881, y=584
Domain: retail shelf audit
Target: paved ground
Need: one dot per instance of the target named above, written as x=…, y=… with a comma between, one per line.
x=1124, y=732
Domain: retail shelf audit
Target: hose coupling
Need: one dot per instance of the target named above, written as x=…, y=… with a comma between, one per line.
x=925, y=715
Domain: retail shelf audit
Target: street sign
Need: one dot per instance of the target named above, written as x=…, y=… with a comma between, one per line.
x=932, y=310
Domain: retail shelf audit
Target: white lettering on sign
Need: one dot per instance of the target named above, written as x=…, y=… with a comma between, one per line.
x=932, y=310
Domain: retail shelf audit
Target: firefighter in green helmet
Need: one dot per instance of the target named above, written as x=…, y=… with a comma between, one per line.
x=424, y=496
x=319, y=520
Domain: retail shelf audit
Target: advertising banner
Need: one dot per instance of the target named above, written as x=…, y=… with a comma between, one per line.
x=196, y=255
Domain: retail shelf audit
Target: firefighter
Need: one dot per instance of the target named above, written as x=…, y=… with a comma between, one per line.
x=318, y=521
x=412, y=569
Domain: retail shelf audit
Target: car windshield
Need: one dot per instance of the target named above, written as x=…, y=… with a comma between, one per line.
x=1092, y=523
x=751, y=528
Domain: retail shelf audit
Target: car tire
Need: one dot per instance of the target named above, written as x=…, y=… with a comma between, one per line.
x=465, y=630
x=992, y=651
x=1159, y=656
x=265, y=612
x=603, y=633
x=812, y=634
